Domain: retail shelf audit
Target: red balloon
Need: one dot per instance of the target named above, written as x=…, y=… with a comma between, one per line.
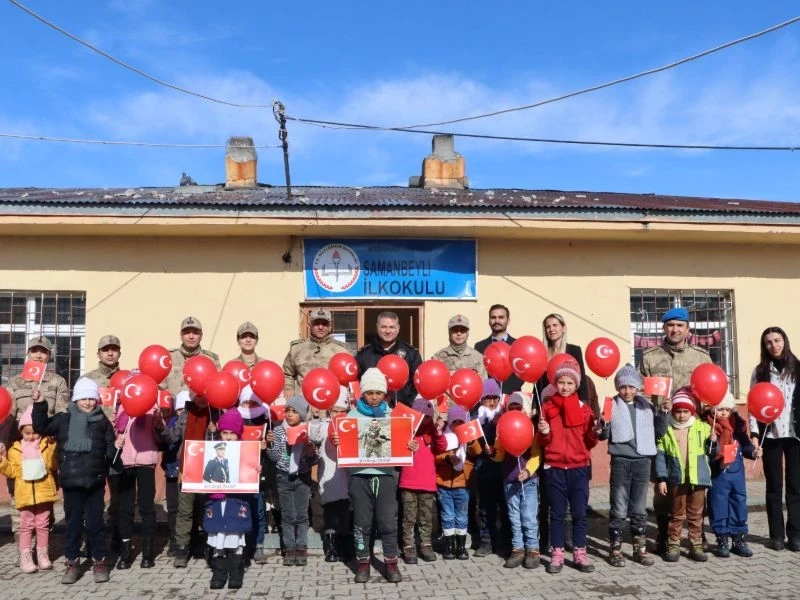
x=320, y=388
x=556, y=362
x=396, y=371
x=432, y=379
x=709, y=383
x=239, y=370
x=221, y=390
x=267, y=380
x=497, y=360
x=515, y=431
x=602, y=356
x=195, y=372
x=466, y=388
x=156, y=362
x=765, y=402
x=139, y=395
x=528, y=358
x=5, y=403
x=118, y=378
x=345, y=367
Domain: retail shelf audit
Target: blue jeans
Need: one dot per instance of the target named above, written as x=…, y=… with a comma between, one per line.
x=523, y=505
x=454, y=503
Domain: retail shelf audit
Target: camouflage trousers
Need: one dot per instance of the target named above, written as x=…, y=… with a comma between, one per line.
x=417, y=510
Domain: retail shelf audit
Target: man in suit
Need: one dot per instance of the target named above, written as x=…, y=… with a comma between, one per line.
x=216, y=470
x=499, y=317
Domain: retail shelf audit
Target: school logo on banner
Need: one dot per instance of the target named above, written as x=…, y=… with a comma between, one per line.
x=366, y=442
x=336, y=267
x=215, y=466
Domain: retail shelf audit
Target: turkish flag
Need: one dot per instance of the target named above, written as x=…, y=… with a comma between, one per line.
x=33, y=370
x=194, y=452
x=468, y=432
x=164, y=399
x=401, y=410
x=608, y=406
x=108, y=396
x=298, y=433
x=658, y=386
x=729, y=452
x=355, y=390
x=253, y=433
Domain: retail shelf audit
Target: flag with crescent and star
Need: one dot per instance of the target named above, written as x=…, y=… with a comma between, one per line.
x=108, y=397
x=164, y=399
x=374, y=442
x=252, y=432
x=468, y=432
x=298, y=433
x=33, y=370
x=657, y=386
x=244, y=466
x=401, y=410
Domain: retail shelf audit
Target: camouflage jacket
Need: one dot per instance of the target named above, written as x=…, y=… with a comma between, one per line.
x=469, y=359
x=677, y=364
x=54, y=391
x=174, y=382
x=249, y=361
x=305, y=355
x=102, y=377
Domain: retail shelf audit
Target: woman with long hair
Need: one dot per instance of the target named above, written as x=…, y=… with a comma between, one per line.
x=554, y=335
x=781, y=444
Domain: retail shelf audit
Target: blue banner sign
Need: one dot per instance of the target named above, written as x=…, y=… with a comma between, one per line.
x=390, y=269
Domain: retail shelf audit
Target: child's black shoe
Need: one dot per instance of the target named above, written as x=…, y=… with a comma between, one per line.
x=722, y=550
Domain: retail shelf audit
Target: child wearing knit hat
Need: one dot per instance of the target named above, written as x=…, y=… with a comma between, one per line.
x=631, y=433
x=727, y=496
x=688, y=441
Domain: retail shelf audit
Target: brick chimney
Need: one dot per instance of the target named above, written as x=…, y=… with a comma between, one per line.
x=240, y=164
x=443, y=168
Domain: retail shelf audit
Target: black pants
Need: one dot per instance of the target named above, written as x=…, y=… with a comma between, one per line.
x=84, y=504
x=172, y=489
x=782, y=457
x=113, y=505
x=374, y=499
x=137, y=485
x=491, y=503
x=336, y=516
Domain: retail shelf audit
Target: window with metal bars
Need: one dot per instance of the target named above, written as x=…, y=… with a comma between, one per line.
x=711, y=324
x=59, y=316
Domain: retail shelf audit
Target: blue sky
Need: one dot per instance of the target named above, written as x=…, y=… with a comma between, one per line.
x=402, y=63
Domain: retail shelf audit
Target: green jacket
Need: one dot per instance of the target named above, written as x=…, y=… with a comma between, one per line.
x=670, y=463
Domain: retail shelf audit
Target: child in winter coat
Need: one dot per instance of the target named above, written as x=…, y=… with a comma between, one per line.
x=454, y=469
x=293, y=464
x=631, y=433
x=568, y=434
x=31, y=463
x=418, y=486
x=333, y=483
x=228, y=519
x=255, y=414
x=727, y=496
x=86, y=447
x=683, y=473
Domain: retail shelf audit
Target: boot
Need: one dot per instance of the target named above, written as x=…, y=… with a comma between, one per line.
x=515, y=559
x=43, y=559
x=556, y=561
x=461, y=547
x=235, y=570
x=125, y=559
x=410, y=555
x=362, y=575
x=615, y=557
x=392, y=570
x=722, y=550
x=346, y=546
x=673, y=553
x=640, y=554
x=532, y=559
x=71, y=574
x=661, y=539
x=16, y=544
x=329, y=544
x=696, y=551
x=219, y=570
x=100, y=570
x=427, y=554
x=181, y=557
x=300, y=557
x=581, y=560
x=288, y=558
x=26, y=561
x=485, y=549
x=740, y=547
x=259, y=556
x=449, y=547
x=148, y=556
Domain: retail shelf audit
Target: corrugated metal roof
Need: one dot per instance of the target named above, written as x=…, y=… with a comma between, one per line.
x=390, y=198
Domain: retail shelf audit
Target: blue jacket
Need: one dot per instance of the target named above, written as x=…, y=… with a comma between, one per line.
x=745, y=449
x=670, y=463
x=237, y=517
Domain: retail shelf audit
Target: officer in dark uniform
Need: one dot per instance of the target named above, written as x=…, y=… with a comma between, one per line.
x=216, y=470
x=385, y=342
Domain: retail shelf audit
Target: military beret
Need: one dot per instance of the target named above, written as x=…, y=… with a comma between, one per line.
x=676, y=314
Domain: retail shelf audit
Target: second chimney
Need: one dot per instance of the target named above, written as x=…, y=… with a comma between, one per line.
x=442, y=168
x=241, y=164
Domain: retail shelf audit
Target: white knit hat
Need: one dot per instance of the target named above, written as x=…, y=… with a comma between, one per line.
x=727, y=402
x=373, y=381
x=343, y=401
x=85, y=389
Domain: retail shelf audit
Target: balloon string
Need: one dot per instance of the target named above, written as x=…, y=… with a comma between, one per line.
x=760, y=445
x=124, y=438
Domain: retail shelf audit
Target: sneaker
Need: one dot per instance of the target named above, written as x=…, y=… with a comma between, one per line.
x=427, y=554
x=181, y=560
x=71, y=574
x=722, y=550
x=740, y=547
x=43, y=559
x=26, y=561
x=516, y=559
x=289, y=558
x=580, y=560
x=100, y=571
x=300, y=557
x=556, y=561
x=485, y=549
x=532, y=559
x=410, y=555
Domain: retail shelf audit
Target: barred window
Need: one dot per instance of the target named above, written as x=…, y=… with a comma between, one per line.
x=59, y=316
x=711, y=324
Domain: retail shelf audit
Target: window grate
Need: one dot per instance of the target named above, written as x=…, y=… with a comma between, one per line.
x=59, y=316
x=711, y=323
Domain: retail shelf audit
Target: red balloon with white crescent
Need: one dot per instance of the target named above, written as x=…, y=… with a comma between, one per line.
x=117, y=379
x=239, y=370
x=431, y=379
x=556, y=362
x=267, y=380
x=156, y=362
x=602, y=356
x=5, y=403
x=709, y=383
x=396, y=371
x=497, y=360
x=139, y=395
x=196, y=370
x=528, y=358
x=466, y=388
x=515, y=432
x=221, y=390
x=344, y=366
x=320, y=388
x=765, y=402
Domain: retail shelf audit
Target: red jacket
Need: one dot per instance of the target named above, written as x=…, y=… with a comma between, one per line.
x=568, y=447
x=421, y=476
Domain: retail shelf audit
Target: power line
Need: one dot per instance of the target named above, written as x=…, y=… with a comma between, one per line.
x=43, y=138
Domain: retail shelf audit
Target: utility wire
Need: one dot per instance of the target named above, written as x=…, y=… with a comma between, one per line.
x=43, y=138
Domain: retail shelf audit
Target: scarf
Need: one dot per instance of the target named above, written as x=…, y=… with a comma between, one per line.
x=487, y=415
x=452, y=444
x=675, y=425
x=371, y=411
x=252, y=413
x=570, y=408
x=623, y=430
x=723, y=429
x=459, y=348
x=78, y=439
x=31, y=450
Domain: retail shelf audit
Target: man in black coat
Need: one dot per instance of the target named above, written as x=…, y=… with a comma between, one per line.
x=499, y=317
x=386, y=342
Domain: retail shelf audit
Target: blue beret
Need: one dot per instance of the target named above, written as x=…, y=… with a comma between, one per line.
x=676, y=314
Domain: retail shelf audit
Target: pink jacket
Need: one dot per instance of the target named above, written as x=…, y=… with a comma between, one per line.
x=421, y=476
x=141, y=447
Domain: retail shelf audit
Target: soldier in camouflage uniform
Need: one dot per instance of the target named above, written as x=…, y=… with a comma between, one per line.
x=247, y=338
x=191, y=336
x=677, y=359
x=459, y=354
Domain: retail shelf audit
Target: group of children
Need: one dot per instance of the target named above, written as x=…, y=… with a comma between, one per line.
x=685, y=449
